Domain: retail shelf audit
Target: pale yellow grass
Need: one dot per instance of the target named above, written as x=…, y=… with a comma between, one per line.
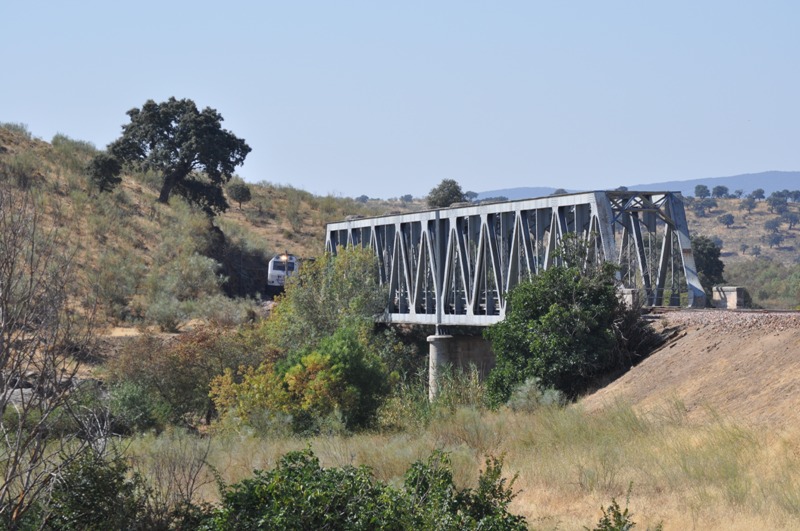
x=687, y=474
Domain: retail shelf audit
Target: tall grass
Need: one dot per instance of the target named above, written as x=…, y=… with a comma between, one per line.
x=711, y=475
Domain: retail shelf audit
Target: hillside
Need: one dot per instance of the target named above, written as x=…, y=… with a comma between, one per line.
x=145, y=262
x=737, y=364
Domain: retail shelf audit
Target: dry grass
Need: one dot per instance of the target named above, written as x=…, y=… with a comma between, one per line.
x=688, y=475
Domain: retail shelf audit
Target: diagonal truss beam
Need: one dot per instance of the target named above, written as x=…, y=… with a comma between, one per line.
x=455, y=266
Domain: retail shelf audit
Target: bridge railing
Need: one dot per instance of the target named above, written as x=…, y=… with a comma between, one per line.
x=455, y=266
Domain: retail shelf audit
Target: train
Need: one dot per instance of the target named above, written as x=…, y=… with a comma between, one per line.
x=281, y=267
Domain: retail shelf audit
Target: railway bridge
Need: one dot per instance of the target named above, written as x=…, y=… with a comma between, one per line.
x=455, y=266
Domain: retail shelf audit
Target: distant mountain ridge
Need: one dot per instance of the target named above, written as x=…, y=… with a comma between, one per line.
x=769, y=181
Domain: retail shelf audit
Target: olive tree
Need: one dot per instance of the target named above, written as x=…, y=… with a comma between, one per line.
x=188, y=147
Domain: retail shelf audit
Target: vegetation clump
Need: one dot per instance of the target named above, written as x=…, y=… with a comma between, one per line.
x=565, y=327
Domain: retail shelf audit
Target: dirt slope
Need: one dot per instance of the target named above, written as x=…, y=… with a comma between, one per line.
x=737, y=364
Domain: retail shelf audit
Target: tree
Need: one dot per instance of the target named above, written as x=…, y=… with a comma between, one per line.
x=471, y=196
x=720, y=192
x=776, y=201
x=756, y=250
x=239, y=192
x=406, y=198
x=774, y=239
x=743, y=248
x=193, y=153
x=445, y=194
x=748, y=203
x=362, y=199
x=791, y=218
x=758, y=193
x=773, y=225
x=559, y=191
x=701, y=207
x=738, y=193
x=709, y=266
x=44, y=426
x=564, y=327
x=701, y=191
x=103, y=172
x=726, y=219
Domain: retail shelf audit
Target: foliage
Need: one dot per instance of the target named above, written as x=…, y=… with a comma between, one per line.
x=178, y=375
x=96, y=494
x=617, y=519
x=103, y=171
x=300, y=494
x=771, y=283
x=748, y=203
x=726, y=219
x=701, y=191
x=719, y=192
x=563, y=328
x=445, y=194
x=42, y=338
x=758, y=193
x=774, y=239
x=530, y=396
x=325, y=294
x=239, y=192
x=702, y=206
x=189, y=148
x=339, y=377
x=709, y=266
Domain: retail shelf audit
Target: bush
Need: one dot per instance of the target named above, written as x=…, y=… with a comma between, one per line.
x=338, y=378
x=179, y=374
x=96, y=494
x=324, y=295
x=564, y=327
x=300, y=494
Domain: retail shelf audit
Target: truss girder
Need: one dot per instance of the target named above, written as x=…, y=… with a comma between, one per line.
x=455, y=266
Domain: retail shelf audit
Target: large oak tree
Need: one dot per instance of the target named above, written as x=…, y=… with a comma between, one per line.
x=189, y=148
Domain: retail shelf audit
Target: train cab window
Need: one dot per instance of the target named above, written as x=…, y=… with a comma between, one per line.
x=289, y=266
x=281, y=266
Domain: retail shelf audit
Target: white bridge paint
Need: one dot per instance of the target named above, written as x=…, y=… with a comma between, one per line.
x=455, y=266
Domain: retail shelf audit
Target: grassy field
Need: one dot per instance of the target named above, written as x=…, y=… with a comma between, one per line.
x=712, y=475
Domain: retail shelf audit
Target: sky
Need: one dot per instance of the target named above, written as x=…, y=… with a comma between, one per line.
x=388, y=98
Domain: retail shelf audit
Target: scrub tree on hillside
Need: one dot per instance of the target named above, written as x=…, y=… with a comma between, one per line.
x=445, y=194
x=189, y=148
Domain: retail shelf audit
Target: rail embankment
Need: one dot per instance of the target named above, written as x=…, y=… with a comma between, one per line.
x=742, y=365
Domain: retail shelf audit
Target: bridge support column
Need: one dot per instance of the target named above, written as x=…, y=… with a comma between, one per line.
x=438, y=354
x=460, y=353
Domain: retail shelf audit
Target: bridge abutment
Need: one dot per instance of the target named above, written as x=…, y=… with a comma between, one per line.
x=459, y=353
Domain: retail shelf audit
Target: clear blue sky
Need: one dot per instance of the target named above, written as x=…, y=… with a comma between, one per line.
x=388, y=98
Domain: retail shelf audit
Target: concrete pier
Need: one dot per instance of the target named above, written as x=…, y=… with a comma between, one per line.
x=460, y=352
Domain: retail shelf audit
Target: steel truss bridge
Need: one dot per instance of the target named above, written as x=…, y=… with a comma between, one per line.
x=455, y=266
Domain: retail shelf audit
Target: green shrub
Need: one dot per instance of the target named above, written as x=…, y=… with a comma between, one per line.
x=299, y=494
x=340, y=378
x=97, y=494
x=559, y=329
x=529, y=396
x=18, y=128
x=136, y=408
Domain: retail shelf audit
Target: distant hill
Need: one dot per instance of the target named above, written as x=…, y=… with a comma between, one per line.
x=517, y=193
x=770, y=181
